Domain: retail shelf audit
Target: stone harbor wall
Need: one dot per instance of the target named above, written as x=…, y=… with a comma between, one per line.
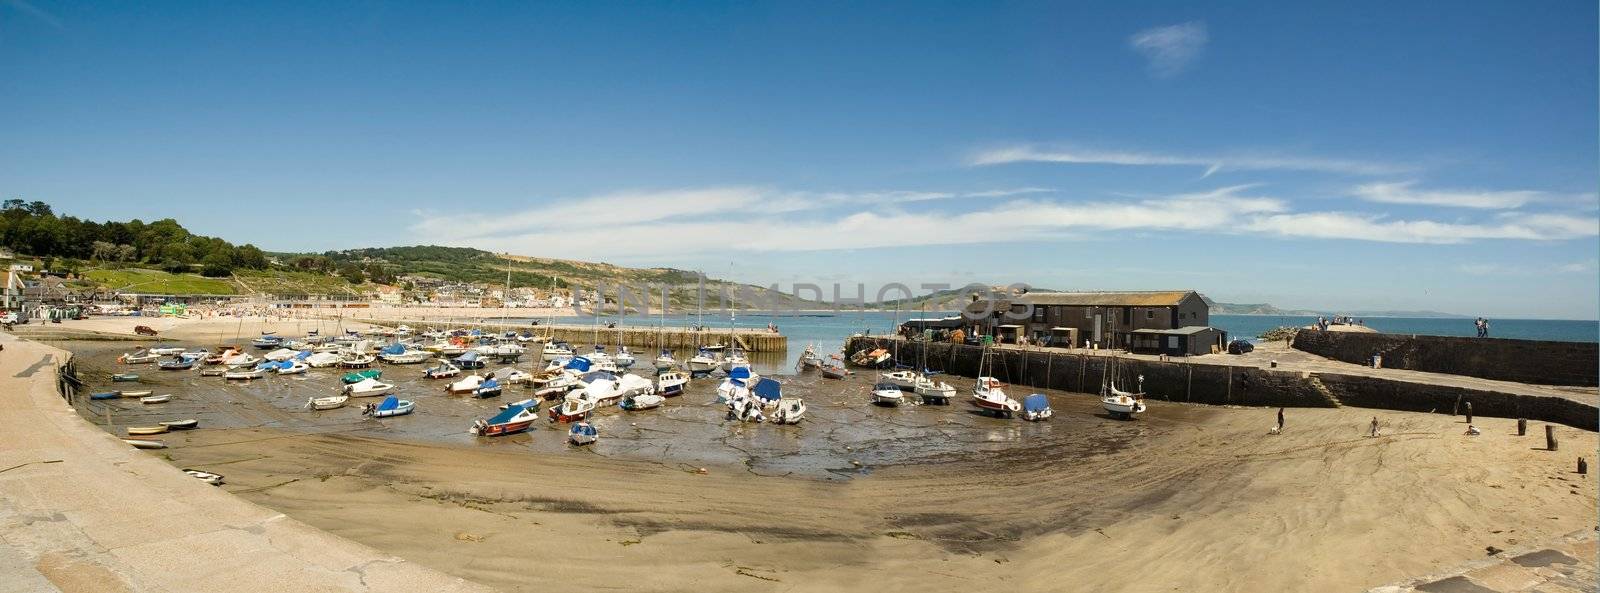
x=1524, y=361
x=1220, y=384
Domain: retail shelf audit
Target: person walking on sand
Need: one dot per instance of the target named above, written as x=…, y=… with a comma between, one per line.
x=1279, y=428
x=1374, y=431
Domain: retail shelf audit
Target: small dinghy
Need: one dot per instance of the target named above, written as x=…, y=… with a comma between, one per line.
x=791, y=410
x=145, y=444
x=138, y=358
x=642, y=402
x=281, y=354
x=356, y=360
x=294, y=367
x=582, y=434
x=216, y=371
x=178, y=364
x=106, y=395
x=390, y=406
x=245, y=375
x=445, y=370
x=124, y=377
x=133, y=393
x=670, y=384
x=368, y=388
x=887, y=394
x=360, y=376
x=166, y=351
x=144, y=430
x=181, y=424
x=513, y=419
x=156, y=399
x=1036, y=407
x=207, y=477
x=572, y=409
x=467, y=384
x=327, y=403
x=488, y=388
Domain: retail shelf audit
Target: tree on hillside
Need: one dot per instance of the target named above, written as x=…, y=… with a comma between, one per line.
x=217, y=265
x=350, y=272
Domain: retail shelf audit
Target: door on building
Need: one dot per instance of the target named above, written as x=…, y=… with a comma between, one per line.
x=1099, y=327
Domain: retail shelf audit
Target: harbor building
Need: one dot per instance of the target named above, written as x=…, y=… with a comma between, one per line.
x=1174, y=322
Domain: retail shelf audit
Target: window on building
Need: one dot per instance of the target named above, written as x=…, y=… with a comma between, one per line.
x=1038, y=313
x=1149, y=313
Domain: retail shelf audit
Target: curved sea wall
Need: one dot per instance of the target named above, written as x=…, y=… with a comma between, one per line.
x=1524, y=361
x=80, y=510
x=1220, y=384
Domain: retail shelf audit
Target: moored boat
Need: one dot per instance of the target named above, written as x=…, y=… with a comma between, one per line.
x=293, y=367
x=445, y=370
x=245, y=375
x=990, y=395
x=488, y=388
x=791, y=410
x=643, y=401
x=359, y=376
x=327, y=403
x=181, y=424
x=906, y=380
x=355, y=360
x=887, y=394
x=176, y=364
x=389, y=407
x=583, y=433
x=571, y=409
x=703, y=361
x=156, y=399
x=1036, y=407
x=138, y=357
x=934, y=392
x=368, y=388
x=124, y=377
x=671, y=383
x=134, y=393
x=511, y=420
x=665, y=362
x=145, y=444
x=146, y=430
x=207, y=477
x=467, y=384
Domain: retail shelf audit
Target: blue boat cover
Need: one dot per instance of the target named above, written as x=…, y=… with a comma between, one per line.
x=475, y=333
x=767, y=389
x=585, y=429
x=578, y=363
x=468, y=356
x=507, y=414
x=488, y=384
x=739, y=373
x=1035, y=403
x=304, y=354
x=389, y=403
x=598, y=375
x=395, y=348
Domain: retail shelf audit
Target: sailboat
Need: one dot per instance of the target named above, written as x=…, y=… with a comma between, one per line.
x=926, y=387
x=1120, y=404
x=988, y=394
x=665, y=362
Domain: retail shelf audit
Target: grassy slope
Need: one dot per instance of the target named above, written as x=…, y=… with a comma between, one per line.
x=157, y=281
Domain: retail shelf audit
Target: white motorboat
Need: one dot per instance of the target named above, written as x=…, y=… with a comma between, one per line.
x=327, y=403
x=368, y=387
x=511, y=376
x=166, y=351
x=156, y=399
x=624, y=358
x=145, y=444
x=407, y=356
x=572, y=409
x=1036, y=407
x=295, y=368
x=321, y=360
x=139, y=357
x=933, y=392
x=989, y=394
x=243, y=375
x=643, y=401
x=583, y=433
x=467, y=384
x=554, y=350
x=241, y=360
x=704, y=362
x=791, y=410
x=671, y=383
x=390, y=406
x=666, y=362
x=905, y=380
x=207, y=477
x=280, y=355
x=735, y=359
x=809, y=359
x=356, y=360
x=887, y=394
x=445, y=370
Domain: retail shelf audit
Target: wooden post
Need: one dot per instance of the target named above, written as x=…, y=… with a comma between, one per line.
x=1469, y=412
x=1522, y=427
x=1550, y=437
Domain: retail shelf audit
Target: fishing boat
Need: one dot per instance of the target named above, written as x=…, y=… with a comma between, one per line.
x=572, y=409
x=703, y=362
x=874, y=358
x=145, y=430
x=293, y=367
x=666, y=362
x=322, y=360
x=267, y=341
x=156, y=399
x=905, y=380
x=989, y=394
x=582, y=434
x=671, y=383
x=734, y=360
x=281, y=354
x=176, y=364
x=389, y=407
x=207, y=477
x=488, y=388
x=327, y=403
x=445, y=370
x=834, y=369
x=511, y=420
x=556, y=349
x=624, y=358
x=355, y=360
x=188, y=424
x=809, y=359
x=138, y=358
x=467, y=384
x=105, y=395
x=124, y=377
x=359, y=376
x=1036, y=407
x=643, y=401
x=791, y=410
x=242, y=375
x=145, y=444
x=933, y=392
x=887, y=394
x=367, y=388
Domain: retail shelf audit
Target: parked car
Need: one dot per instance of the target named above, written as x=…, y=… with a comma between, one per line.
x=1240, y=346
x=144, y=330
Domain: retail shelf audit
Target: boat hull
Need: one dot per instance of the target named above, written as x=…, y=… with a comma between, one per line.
x=494, y=430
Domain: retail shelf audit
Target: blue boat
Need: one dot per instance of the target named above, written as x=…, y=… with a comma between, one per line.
x=391, y=406
x=583, y=433
x=766, y=390
x=488, y=388
x=267, y=342
x=393, y=349
x=468, y=360
x=178, y=364
x=106, y=395
x=1036, y=407
x=579, y=364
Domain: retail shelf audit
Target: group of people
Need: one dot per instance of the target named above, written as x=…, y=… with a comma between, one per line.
x=1483, y=327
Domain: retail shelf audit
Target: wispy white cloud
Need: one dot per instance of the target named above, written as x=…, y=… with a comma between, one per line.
x=1212, y=163
x=1404, y=193
x=24, y=7
x=1170, y=49
x=744, y=218
x=1503, y=269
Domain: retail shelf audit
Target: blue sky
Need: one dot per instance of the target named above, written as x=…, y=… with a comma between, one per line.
x=1360, y=156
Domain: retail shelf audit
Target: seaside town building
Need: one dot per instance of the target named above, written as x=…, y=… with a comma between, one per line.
x=1174, y=322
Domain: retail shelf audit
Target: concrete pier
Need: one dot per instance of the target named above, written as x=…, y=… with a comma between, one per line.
x=80, y=510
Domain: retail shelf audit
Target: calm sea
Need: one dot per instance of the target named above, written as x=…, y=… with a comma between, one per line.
x=828, y=330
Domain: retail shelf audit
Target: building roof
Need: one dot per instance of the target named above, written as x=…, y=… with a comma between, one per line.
x=1162, y=298
x=1187, y=330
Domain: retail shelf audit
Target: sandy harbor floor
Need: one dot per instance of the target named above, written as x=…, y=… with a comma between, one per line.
x=925, y=498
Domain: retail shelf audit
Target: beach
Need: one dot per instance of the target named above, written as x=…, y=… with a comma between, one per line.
x=1188, y=497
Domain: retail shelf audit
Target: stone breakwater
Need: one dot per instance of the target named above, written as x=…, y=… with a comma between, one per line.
x=1222, y=384
x=1524, y=361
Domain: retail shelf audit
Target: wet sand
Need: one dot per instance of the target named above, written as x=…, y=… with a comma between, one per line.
x=1186, y=498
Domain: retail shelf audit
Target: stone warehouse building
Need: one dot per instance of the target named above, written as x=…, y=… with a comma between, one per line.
x=1175, y=322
